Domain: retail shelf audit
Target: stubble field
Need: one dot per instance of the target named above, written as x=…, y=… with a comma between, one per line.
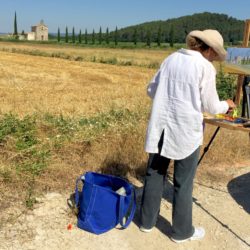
x=85, y=115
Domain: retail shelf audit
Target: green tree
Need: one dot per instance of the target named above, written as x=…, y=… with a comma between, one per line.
x=116, y=36
x=107, y=36
x=100, y=36
x=230, y=37
x=171, y=36
x=159, y=36
x=66, y=35
x=73, y=35
x=148, y=38
x=225, y=84
x=15, y=27
x=230, y=28
x=58, y=35
x=135, y=36
x=93, y=37
x=80, y=37
x=142, y=35
x=86, y=36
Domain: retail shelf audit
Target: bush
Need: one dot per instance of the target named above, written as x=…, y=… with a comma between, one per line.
x=226, y=85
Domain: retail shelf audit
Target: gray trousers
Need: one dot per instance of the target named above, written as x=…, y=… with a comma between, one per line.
x=184, y=172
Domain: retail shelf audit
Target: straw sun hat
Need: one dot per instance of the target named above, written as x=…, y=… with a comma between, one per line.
x=213, y=39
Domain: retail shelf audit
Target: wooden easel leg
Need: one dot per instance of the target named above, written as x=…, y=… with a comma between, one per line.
x=239, y=90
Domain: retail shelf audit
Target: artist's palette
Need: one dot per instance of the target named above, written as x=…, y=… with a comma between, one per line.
x=230, y=119
x=227, y=121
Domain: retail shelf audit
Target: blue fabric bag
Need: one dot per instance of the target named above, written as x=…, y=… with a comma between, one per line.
x=101, y=208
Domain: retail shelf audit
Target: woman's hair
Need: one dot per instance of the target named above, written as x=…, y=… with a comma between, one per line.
x=195, y=43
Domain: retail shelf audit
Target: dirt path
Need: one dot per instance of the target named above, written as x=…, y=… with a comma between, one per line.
x=222, y=209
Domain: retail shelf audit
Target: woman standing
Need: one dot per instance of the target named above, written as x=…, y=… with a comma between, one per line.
x=183, y=88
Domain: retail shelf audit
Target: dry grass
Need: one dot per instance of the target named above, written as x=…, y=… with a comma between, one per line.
x=35, y=84
x=42, y=85
x=132, y=56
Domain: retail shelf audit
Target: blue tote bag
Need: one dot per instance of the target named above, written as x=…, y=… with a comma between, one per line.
x=101, y=207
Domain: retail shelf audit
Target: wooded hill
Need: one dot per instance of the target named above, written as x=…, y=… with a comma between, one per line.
x=230, y=28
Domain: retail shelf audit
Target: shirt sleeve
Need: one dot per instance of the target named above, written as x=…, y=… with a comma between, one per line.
x=209, y=96
x=152, y=86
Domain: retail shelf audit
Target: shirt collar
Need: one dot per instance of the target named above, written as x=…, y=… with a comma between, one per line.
x=190, y=52
x=194, y=53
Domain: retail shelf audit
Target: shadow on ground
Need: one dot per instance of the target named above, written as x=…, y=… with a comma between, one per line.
x=239, y=189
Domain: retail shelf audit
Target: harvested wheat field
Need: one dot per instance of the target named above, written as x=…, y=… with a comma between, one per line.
x=38, y=84
x=138, y=57
x=62, y=117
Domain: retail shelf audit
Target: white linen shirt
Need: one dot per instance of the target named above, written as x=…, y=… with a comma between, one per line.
x=183, y=88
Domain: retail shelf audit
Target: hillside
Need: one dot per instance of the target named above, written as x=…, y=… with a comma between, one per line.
x=231, y=28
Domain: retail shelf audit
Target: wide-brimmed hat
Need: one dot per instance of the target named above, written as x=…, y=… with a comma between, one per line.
x=213, y=39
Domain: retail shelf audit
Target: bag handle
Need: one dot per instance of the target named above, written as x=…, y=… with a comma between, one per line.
x=81, y=178
x=121, y=208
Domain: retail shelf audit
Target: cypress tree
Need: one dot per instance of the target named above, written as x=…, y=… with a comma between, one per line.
x=116, y=36
x=93, y=37
x=66, y=35
x=86, y=36
x=230, y=37
x=58, y=35
x=142, y=35
x=159, y=35
x=73, y=35
x=100, y=36
x=148, y=38
x=15, y=26
x=107, y=36
x=80, y=37
x=135, y=36
x=171, y=36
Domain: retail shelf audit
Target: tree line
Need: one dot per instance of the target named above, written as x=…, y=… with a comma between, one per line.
x=88, y=38
x=170, y=31
x=107, y=37
x=176, y=29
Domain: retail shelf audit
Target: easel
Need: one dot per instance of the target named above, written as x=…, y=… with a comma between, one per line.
x=242, y=87
x=241, y=77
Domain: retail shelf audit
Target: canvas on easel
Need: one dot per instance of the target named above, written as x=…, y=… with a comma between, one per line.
x=242, y=75
x=238, y=60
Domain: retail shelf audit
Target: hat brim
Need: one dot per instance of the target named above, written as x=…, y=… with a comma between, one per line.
x=218, y=48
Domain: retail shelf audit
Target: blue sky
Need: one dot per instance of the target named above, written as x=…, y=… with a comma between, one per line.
x=92, y=14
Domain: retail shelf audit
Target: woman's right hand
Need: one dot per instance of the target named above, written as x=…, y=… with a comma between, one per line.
x=231, y=104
